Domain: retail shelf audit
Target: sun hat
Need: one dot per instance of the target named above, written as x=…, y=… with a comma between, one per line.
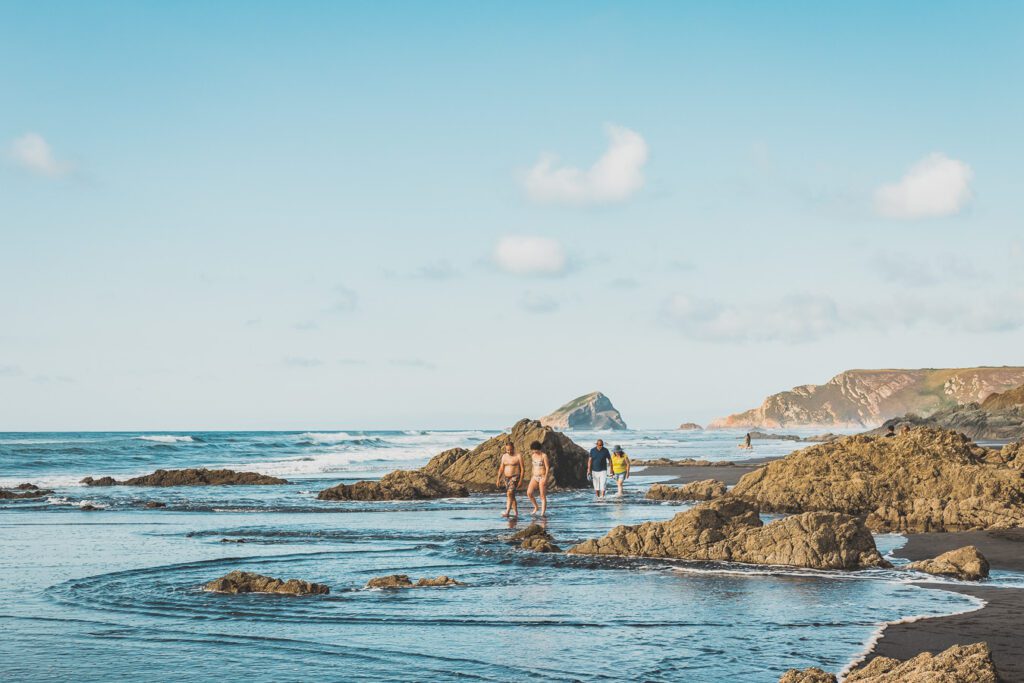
x=617, y=450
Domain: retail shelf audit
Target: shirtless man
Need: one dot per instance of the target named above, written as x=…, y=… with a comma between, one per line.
x=510, y=473
x=539, y=467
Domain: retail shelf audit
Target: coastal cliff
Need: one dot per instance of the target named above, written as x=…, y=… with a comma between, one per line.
x=590, y=411
x=866, y=398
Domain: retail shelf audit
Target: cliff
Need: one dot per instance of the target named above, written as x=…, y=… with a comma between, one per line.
x=590, y=411
x=866, y=398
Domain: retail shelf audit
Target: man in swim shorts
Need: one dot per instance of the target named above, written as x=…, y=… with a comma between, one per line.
x=510, y=475
x=597, y=467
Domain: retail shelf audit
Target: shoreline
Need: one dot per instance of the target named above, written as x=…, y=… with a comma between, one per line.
x=728, y=474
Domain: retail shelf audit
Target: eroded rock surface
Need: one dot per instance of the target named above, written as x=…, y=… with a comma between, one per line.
x=190, y=477
x=397, y=485
x=706, y=489
x=958, y=664
x=535, y=538
x=393, y=581
x=923, y=480
x=731, y=530
x=590, y=411
x=811, y=675
x=965, y=563
x=250, y=582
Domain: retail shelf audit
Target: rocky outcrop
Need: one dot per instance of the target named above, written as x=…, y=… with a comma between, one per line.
x=731, y=530
x=811, y=675
x=397, y=485
x=393, y=581
x=535, y=538
x=190, y=477
x=991, y=420
x=923, y=480
x=249, y=582
x=590, y=411
x=958, y=664
x=817, y=438
x=478, y=468
x=1007, y=400
x=706, y=489
x=690, y=427
x=23, y=491
x=866, y=398
x=967, y=564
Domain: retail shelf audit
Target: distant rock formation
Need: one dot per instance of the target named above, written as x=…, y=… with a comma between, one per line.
x=958, y=664
x=923, y=480
x=769, y=436
x=730, y=530
x=966, y=564
x=249, y=582
x=866, y=398
x=535, y=538
x=707, y=489
x=395, y=581
x=690, y=427
x=478, y=468
x=190, y=477
x=397, y=485
x=23, y=491
x=590, y=411
x=998, y=417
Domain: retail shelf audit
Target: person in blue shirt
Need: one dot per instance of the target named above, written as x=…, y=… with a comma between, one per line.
x=597, y=467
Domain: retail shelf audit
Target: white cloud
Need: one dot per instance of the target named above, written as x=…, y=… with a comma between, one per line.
x=614, y=177
x=536, y=302
x=934, y=186
x=33, y=152
x=530, y=255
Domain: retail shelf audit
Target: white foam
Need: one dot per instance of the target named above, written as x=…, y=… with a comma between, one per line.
x=328, y=437
x=165, y=438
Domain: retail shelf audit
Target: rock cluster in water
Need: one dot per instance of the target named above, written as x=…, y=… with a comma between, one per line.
x=730, y=529
x=923, y=480
x=706, y=489
x=403, y=581
x=190, y=477
x=590, y=411
x=958, y=664
x=535, y=538
x=965, y=563
x=998, y=417
x=397, y=485
x=249, y=582
x=23, y=491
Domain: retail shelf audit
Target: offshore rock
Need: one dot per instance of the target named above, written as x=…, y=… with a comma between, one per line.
x=397, y=485
x=535, y=538
x=707, y=489
x=190, y=477
x=394, y=581
x=590, y=411
x=690, y=427
x=24, y=491
x=249, y=582
x=967, y=564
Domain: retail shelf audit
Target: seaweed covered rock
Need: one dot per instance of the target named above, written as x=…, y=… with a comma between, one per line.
x=535, y=538
x=923, y=480
x=190, y=477
x=965, y=563
x=477, y=469
x=811, y=675
x=706, y=489
x=393, y=581
x=249, y=582
x=958, y=664
x=730, y=530
x=397, y=485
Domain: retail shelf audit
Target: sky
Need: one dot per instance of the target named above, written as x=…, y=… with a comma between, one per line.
x=270, y=215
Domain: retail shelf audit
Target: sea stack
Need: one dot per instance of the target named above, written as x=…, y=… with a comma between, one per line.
x=590, y=411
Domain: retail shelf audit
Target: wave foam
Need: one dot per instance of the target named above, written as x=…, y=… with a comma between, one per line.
x=166, y=438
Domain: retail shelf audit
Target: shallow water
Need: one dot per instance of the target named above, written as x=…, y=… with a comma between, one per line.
x=114, y=594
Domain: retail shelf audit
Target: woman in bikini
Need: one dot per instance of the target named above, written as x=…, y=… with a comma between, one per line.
x=510, y=473
x=538, y=477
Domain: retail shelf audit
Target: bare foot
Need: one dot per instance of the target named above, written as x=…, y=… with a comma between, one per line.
x=505, y=513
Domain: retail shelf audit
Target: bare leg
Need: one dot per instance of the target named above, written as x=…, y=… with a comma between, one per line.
x=508, y=503
x=515, y=503
x=529, y=493
x=618, y=482
x=544, y=497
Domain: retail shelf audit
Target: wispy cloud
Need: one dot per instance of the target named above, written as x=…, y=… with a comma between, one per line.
x=530, y=255
x=302, y=362
x=414, y=363
x=345, y=300
x=10, y=370
x=935, y=186
x=615, y=177
x=436, y=271
x=911, y=271
x=537, y=302
x=32, y=152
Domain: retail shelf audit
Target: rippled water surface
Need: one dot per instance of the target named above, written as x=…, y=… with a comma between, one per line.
x=114, y=594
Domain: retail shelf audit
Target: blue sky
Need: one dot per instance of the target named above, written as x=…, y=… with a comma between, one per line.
x=298, y=215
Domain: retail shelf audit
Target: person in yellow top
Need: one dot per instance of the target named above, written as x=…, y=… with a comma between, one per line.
x=620, y=467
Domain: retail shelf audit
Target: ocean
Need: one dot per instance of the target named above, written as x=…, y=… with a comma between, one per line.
x=115, y=593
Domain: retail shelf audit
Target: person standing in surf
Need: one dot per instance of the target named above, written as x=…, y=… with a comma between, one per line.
x=620, y=467
x=597, y=467
x=510, y=473
x=539, y=468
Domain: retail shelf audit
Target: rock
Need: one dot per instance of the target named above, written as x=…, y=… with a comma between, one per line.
x=958, y=664
x=394, y=581
x=234, y=540
x=249, y=582
x=685, y=462
x=590, y=411
x=154, y=504
x=397, y=485
x=965, y=563
x=730, y=530
x=24, y=491
x=707, y=489
x=1007, y=400
x=89, y=507
x=190, y=477
x=766, y=436
x=535, y=538
x=478, y=468
x=690, y=427
x=811, y=675
x=974, y=420
x=924, y=480
x=865, y=398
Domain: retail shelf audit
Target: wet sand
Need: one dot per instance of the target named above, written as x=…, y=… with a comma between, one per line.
x=684, y=474
x=998, y=623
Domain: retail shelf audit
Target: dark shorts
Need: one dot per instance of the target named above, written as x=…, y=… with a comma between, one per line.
x=511, y=483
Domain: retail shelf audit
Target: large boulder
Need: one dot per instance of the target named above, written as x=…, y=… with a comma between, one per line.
x=965, y=563
x=397, y=485
x=811, y=675
x=535, y=538
x=706, y=489
x=590, y=411
x=923, y=480
x=731, y=530
x=477, y=469
x=958, y=664
x=250, y=582
x=191, y=477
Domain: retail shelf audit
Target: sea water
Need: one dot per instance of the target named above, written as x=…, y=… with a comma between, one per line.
x=115, y=593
